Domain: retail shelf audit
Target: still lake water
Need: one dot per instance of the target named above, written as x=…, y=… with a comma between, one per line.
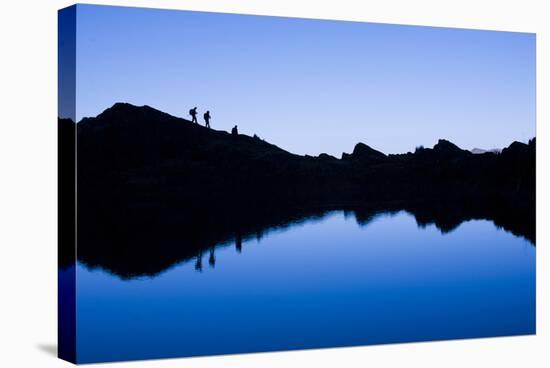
x=320, y=283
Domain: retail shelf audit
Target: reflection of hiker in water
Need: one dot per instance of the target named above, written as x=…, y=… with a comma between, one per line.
x=198, y=264
x=234, y=131
x=193, y=113
x=239, y=242
x=212, y=258
x=207, y=118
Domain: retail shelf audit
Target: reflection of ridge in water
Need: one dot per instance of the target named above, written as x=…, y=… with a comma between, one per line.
x=362, y=219
x=128, y=253
x=258, y=235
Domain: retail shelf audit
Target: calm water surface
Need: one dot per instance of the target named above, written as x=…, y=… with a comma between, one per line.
x=320, y=283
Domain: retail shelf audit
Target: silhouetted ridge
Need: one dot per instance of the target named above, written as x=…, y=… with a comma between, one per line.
x=448, y=149
x=147, y=180
x=362, y=152
x=123, y=110
x=125, y=115
x=516, y=148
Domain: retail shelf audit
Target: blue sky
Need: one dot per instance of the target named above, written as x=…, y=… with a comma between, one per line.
x=311, y=86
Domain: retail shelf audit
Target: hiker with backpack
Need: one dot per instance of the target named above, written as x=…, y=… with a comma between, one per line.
x=193, y=113
x=207, y=118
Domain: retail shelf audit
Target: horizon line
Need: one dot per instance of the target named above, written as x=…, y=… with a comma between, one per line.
x=488, y=150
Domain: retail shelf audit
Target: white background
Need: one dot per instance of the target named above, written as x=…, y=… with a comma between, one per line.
x=28, y=182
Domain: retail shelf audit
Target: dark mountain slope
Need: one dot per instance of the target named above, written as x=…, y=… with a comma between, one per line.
x=150, y=157
x=141, y=151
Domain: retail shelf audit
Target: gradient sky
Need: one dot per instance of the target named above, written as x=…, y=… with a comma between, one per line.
x=311, y=86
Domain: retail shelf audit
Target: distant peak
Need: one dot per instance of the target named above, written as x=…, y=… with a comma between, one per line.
x=128, y=107
x=446, y=146
x=362, y=149
x=443, y=143
x=517, y=147
x=480, y=151
x=363, y=152
x=125, y=110
x=117, y=105
x=515, y=144
x=447, y=149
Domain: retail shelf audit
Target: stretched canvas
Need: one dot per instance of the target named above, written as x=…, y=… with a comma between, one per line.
x=235, y=183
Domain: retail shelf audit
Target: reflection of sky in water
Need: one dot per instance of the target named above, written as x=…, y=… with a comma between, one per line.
x=322, y=283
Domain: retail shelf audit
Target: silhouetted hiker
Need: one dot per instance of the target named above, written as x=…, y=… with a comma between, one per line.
x=234, y=131
x=207, y=118
x=193, y=113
